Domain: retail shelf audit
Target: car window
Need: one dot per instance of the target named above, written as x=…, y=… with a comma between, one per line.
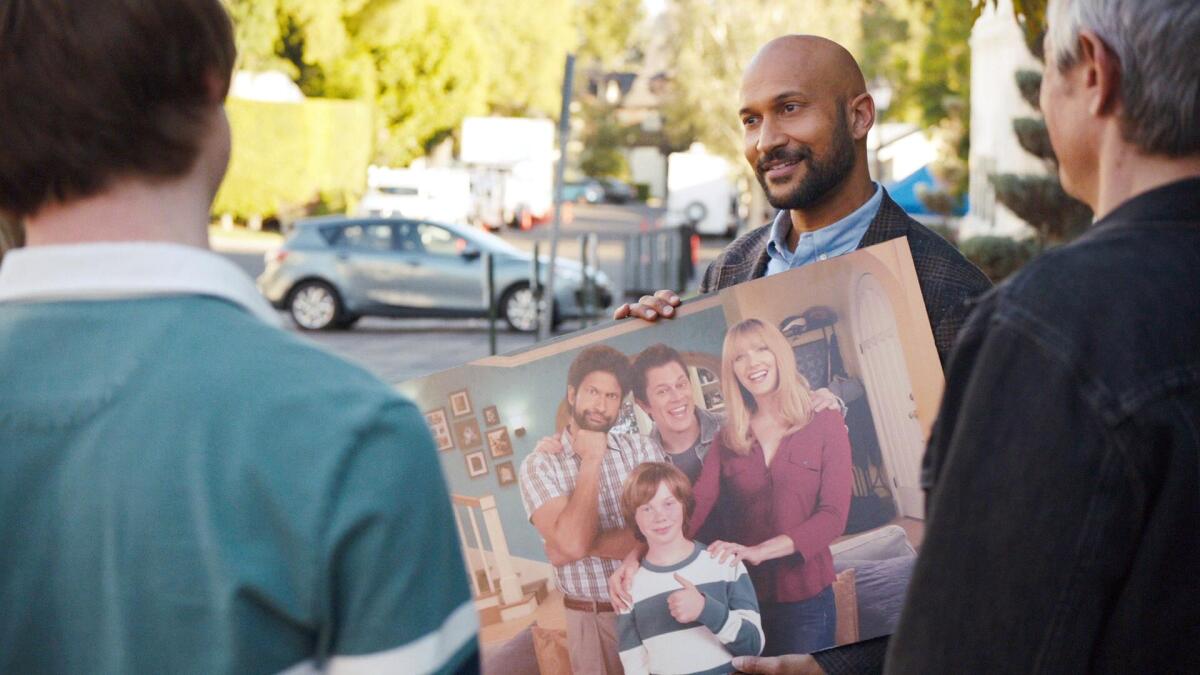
x=369, y=237
x=440, y=241
x=408, y=240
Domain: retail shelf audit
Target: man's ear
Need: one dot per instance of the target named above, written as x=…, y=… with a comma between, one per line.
x=1101, y=73
x=861, y=113
x=570, y=396
x=216, y=88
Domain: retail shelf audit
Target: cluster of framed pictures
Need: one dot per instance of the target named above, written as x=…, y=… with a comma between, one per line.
x=461, y=429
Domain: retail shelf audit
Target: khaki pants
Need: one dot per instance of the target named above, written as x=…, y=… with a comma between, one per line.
x=592, y=639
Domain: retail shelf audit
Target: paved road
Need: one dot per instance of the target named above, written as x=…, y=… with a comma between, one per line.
x=400, y=349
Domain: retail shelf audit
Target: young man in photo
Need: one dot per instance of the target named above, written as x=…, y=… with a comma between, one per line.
x=690, y=612
x=573, y=499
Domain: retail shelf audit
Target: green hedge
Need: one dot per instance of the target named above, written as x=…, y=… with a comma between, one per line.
x=289, y=155
x=998, y=257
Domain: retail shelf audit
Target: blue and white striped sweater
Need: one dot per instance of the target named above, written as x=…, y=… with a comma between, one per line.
x=652, y=641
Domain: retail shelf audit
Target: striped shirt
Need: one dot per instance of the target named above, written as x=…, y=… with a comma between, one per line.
x=547, y=476
x=652, y=641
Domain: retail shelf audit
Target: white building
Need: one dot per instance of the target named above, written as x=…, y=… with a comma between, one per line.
x=998, y=51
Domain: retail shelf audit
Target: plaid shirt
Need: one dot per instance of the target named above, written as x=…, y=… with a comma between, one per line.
x=948, y=280
x=547, y=476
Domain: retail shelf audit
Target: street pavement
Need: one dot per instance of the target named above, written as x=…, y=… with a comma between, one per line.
x=396, y=350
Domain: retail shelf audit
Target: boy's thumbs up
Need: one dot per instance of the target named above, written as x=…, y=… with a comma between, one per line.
x=686, y=603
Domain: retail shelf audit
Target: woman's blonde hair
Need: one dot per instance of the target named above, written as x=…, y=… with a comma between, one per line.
x=794, y=394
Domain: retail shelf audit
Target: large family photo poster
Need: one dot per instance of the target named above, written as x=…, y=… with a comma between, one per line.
x=848, y=335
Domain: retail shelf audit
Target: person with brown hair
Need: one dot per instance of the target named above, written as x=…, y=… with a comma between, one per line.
x=689, y=613
x=573, y=499
x=186, y=487
x=783, y=476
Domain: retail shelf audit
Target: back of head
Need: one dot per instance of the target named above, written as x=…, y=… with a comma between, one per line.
x=95, y=90
x=1160, y=76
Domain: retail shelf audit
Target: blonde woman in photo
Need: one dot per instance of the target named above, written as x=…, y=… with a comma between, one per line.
x=781, y=483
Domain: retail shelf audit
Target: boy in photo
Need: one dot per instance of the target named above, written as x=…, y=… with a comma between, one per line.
x=690, y=613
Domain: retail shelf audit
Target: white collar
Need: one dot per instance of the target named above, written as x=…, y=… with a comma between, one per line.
x=107, y=271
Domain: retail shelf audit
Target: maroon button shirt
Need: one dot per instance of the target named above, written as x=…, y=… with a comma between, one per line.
x=804, y=493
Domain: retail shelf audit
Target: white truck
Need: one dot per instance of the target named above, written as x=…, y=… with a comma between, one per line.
x=701, y=192
x=438, y=194
x=511, y=162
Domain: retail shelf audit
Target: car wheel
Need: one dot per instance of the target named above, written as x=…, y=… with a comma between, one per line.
x=315, y=305
x=518, y=306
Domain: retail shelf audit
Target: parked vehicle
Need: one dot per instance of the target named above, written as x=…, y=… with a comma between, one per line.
x=333, y=270
x=590, y=191
x=511, y=160
x=701, y=192
x=436, y=194
x=618, y=192
x=596, y=190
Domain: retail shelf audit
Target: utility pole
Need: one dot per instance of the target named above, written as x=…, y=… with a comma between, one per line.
x=564, y=131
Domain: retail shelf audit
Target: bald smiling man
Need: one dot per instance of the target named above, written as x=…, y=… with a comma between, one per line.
x=805, y=114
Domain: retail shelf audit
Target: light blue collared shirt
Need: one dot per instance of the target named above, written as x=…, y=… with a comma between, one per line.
x=828, y=242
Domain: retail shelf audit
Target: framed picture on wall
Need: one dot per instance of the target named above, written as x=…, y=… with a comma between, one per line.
x=460, y=403
x=491, y=416
x=439, y=426
x=466, y=433
x=499, y=443
x=477, y=465
x=505, y=473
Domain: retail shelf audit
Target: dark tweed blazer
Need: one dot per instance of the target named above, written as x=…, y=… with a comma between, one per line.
x=948, y=280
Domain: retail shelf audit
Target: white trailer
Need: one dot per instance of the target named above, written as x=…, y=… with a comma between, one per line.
x=701, y=192
x=440, y=194
x=511, y=160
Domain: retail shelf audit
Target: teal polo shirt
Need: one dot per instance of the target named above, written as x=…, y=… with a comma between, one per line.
x=187, y=489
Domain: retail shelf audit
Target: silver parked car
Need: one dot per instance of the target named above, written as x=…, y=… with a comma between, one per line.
x=332, y=270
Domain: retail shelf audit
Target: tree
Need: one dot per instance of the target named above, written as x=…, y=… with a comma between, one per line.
x=1038, y=199
x=525, y=46
x=602, y=142
x=607, y=28
x=423, y=65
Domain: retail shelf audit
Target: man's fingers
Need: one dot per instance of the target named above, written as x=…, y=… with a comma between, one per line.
x=757, y=665
x=669, y=297
x=788, y=664
x=653, y=306
x=650, y=307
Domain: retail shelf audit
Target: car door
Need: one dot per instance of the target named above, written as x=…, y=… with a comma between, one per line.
x=451, y=276
x=366, y=263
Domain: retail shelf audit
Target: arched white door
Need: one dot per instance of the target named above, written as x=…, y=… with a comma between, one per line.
x=890, y=394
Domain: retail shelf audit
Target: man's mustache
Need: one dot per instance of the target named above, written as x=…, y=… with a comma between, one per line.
x=780, y=155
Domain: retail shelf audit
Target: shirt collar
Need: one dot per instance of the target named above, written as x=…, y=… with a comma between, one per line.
x=1171, y=202
x=832, y=240
x=110, y=271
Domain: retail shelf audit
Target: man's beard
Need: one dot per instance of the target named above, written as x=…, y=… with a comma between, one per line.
x=582, y=421
x=824, y=173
